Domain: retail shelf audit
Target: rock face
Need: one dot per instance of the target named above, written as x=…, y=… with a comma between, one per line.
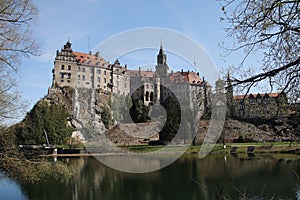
x=91, y=117
x=283, y=129
x=86, y=107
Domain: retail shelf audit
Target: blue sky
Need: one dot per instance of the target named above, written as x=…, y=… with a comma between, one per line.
x=96, y=20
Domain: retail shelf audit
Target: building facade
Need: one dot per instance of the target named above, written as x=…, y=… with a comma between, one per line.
x=87, y=70
x=260, y=106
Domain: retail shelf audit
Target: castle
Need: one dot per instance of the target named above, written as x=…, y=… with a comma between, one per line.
x=87, y=70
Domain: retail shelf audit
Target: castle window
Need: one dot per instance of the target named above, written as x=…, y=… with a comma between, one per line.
x=104, y=72
x=83, y=69
x=104, y=80
x=62, y=67
x=91, y=70
x=69, y=76
x=98, y=71
x=266, y=100
x=83, y=77
x=259, y=100
x=241, y=107
x=79, y=69
x=78, y=77
x=62, y=75
x=98, y=79
x=69, y=67
x=251, y=101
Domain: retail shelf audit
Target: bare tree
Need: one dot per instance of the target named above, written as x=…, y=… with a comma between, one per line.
x=271, y=27
x=16, y=42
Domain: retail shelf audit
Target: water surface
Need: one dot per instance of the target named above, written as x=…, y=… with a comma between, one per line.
x=259, y=177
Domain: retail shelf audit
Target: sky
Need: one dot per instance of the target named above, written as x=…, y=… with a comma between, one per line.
x=89, y=22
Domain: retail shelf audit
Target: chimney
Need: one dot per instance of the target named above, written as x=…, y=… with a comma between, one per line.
x=90, y=52
x=97, y=54
x=181, y=71
x=125, y=66
x=140, y=71
x=197, y=73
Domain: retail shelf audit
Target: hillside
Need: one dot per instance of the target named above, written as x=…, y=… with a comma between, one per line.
x=86, y=115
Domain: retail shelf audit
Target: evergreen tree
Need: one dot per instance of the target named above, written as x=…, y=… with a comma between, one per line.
x=44, y=117
x=139, y=112
x=172, y=124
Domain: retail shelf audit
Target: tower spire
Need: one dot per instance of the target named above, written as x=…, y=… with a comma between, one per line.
x=161, y=57
x=162, y=67
x=161, y=50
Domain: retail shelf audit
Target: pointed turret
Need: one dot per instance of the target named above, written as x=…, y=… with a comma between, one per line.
x=162, y=67
x=67, y=46
x=161, y=57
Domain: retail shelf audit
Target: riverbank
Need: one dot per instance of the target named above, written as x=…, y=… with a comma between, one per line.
x=257, y=148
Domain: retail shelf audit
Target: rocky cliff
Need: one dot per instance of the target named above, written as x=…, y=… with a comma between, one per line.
x=91, y=117
x=90, y=111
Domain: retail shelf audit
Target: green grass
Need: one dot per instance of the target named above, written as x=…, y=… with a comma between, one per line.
x=274, y=147
x=269, y=147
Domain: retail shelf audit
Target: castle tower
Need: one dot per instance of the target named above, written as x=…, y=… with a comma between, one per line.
x=229, y=96
x=161, y=67
x=65, y=67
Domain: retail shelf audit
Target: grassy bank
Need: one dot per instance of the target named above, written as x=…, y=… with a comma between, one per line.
x=275, y=147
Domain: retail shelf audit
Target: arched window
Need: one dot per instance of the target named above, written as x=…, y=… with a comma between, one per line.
x=147, y=96
x=151, y=96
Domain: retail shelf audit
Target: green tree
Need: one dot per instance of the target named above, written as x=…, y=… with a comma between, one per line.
x=139, y=112
x=47, y=117
x=172, y=124
x=106, y=117
x=271, y=28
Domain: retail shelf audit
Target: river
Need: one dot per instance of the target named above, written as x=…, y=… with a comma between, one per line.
x=257, y=177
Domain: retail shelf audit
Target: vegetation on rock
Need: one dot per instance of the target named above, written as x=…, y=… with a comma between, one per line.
x=44, y=117
x=139, y=112
x=172, y=124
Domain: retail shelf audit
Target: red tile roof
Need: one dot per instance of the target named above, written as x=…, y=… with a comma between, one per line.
x=84, y=58
x=272, y=95
x=185, y=77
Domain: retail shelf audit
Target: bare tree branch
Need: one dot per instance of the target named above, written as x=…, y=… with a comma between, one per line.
x=16, y=42
x=271, y=28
